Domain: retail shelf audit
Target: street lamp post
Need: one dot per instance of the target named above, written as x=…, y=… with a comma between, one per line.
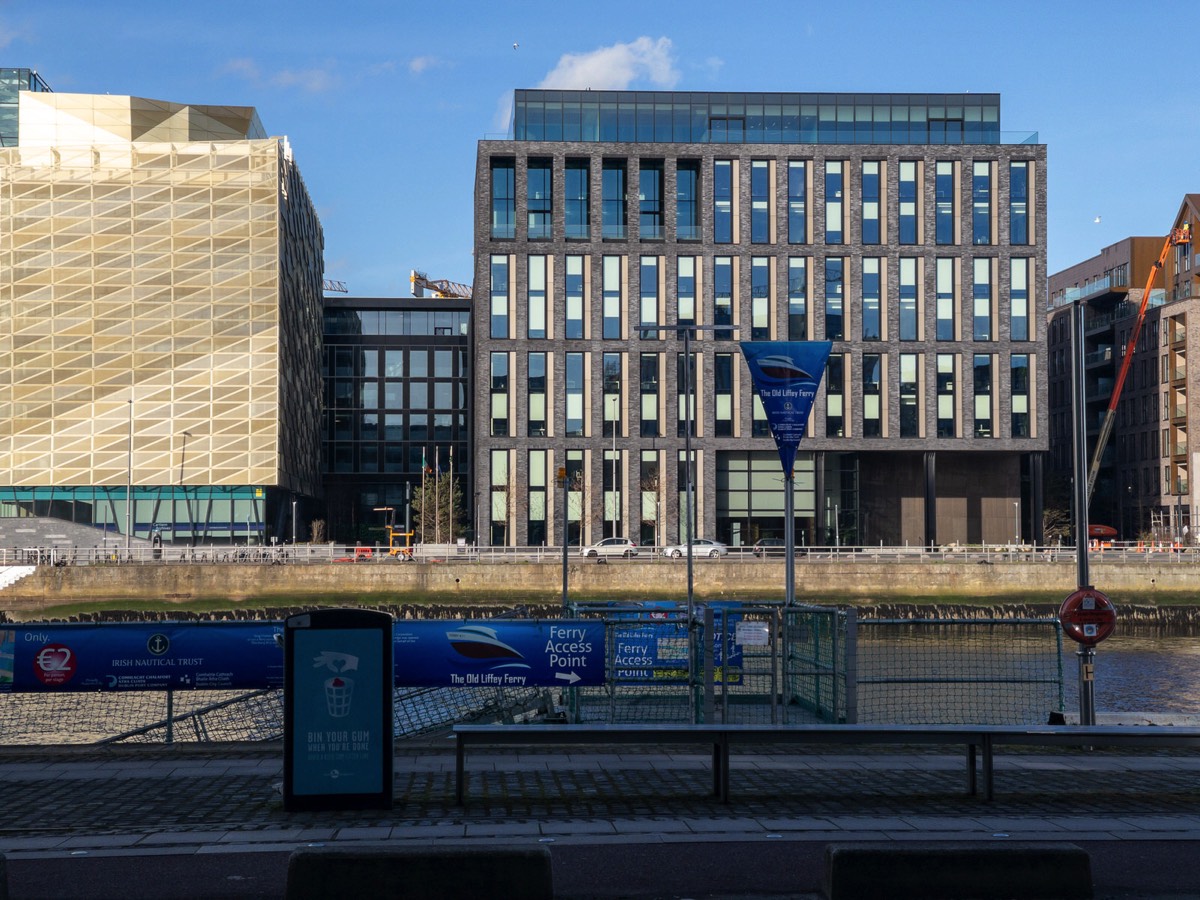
x=1017, y=521
x=294, y=535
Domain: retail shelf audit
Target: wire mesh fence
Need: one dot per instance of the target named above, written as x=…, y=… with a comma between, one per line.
x=728, y=663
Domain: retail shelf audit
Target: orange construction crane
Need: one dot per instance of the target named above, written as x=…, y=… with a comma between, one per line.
x=1177, y=237
x=441, y=288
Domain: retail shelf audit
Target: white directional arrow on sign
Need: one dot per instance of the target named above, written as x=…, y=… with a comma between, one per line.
x=569, y=677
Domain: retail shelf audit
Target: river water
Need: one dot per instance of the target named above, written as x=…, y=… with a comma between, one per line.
x=1140, y=672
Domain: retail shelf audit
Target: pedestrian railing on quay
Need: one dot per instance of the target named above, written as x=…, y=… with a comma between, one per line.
x=361, y=554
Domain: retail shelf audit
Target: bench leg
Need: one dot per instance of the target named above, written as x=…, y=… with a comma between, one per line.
x=988, y=783
x=459, y=770
x=972, y=787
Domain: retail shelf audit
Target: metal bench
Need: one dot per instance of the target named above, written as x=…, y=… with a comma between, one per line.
x=978, y=740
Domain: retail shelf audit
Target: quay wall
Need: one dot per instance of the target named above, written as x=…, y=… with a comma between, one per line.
x=468, y=582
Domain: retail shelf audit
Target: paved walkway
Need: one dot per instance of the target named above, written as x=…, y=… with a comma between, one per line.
x=221, y=799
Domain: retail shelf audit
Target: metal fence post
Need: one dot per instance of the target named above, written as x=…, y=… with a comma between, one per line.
x=706, y=635
x=851, y=663
x=170, y=717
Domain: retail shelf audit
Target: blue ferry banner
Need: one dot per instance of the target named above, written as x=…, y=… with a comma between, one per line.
x=141, y=657
x=657, y=651
x=786, y=375
x=499, y=653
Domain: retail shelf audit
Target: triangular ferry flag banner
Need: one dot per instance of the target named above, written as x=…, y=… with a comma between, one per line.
x=786, y=375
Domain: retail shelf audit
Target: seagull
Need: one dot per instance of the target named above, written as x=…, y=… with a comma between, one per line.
x=515, y=45
x=1096, y=221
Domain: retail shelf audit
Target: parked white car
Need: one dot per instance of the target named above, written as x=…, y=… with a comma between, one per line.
x=700, y=547
x=613, y=546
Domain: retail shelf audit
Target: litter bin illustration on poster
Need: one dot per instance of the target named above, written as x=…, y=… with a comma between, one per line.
x=338, y=710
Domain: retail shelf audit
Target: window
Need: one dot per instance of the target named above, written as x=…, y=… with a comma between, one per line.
x=498, y=518
x=648, y=387
x=499, y=393
x=797, y=299
x=1020, y=390
x=835, y=401
x=944, y=203
x=910, y=314
x=872, y=390
x=723, y=201
x=759, y=426
x=612, y=297
x=983, y=395
x=797, y=202
x=535, y=522
x=723, y=394
x=574, y=298
x=612, y=199
x=648, y=481
x=834, y=229
x=685, y=290
x=871, y=230
x=576, y=195
x=834, y=319
x=760, y=201
x=612, y=393
x=504, y=198
x=982, y=300
x=872, y=319
x=650, y=200
x=947, y=400
x=1018, y=295
x=649, y=296
x=540, y=181
x=575, y=485
x=537, y=297
x=687, y=200
x=1018, y=202
x=981, y=203
x=574, y=394
x=910, y=396
x=723, y=295
x=610, y=480
x=945, y=300
x=686, y=406
x=499, y=297
x=537, y=395
x=760, y=298
x=908, y=196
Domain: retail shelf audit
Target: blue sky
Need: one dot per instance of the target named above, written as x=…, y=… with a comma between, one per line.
x=383, y=101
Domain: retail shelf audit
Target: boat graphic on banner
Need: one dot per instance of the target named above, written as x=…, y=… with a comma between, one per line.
x=787, y=375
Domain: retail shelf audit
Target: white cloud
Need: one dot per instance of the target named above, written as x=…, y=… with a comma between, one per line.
x=615, y=68
x=314, y=81
x=502, y=119
x=713, y=66
x=419, y=64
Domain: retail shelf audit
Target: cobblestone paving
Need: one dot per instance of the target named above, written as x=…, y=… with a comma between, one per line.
x=160, y=790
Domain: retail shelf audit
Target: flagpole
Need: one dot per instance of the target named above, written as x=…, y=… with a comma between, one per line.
x=424, y=496
x=450, y=503
x=437, y=494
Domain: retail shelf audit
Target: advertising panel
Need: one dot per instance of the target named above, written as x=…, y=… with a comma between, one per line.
x=141, y=656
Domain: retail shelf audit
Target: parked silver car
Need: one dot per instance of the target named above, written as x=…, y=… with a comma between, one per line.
x=700, y=547
x=613, y=546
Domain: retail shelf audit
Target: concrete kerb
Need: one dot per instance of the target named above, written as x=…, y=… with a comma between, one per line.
x=419, y=873
x=946, y=870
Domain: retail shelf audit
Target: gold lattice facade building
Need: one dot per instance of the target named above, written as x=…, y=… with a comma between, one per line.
x=160, y=320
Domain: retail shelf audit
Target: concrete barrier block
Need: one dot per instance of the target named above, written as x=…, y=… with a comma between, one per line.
x=419, y=873
x=952, y=870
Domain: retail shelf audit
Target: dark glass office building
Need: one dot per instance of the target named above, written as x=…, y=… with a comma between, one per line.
x=396, y=405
